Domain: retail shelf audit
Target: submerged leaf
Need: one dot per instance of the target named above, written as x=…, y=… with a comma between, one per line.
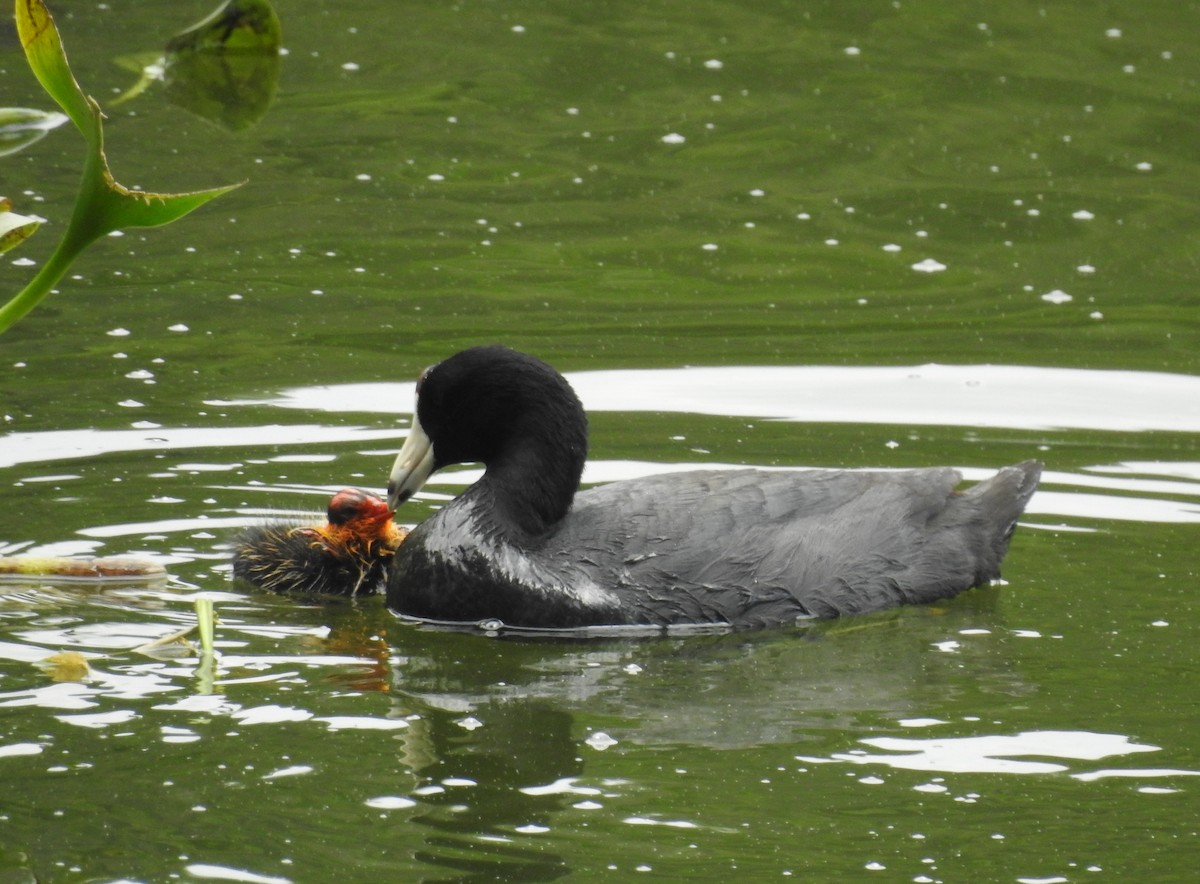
x=69, y=666
x=237, y=26
x=174, y=645
x=231, y=89
x=148, y=66
x=225, y=69
x=22, y=126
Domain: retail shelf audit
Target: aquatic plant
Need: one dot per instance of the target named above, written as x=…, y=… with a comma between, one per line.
x=102, y=204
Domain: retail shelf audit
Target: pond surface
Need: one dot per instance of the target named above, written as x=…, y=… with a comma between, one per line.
x=881, y=234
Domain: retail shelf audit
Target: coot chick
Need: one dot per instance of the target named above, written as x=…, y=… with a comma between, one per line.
x=734, y=548
x=346, y=556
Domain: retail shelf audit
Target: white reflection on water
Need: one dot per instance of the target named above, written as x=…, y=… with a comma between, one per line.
x=19, y=448
x=1012, y=396
x=1016, y=397
x=1152, y=468
x=994, y=753
x=103, y=699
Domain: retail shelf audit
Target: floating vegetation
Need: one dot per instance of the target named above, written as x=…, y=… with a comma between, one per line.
x=82, y=568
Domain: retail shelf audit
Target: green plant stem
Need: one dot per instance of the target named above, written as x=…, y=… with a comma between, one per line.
x=41, y=284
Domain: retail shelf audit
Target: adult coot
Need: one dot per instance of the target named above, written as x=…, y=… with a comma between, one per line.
x=739, y=548
x=346, y=556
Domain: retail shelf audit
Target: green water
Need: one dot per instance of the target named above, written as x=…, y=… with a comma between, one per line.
x=429, y=178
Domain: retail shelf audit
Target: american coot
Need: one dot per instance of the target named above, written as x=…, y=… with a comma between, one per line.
x=346, y=556
x=733, y=548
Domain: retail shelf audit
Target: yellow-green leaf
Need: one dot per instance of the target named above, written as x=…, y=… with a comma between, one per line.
x=139, y=209
x=44, y=49
x=14, y=228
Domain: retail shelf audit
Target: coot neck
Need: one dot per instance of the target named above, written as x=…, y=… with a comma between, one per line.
x=530, y=482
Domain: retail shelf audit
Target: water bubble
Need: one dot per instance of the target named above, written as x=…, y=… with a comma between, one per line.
x=600, y=741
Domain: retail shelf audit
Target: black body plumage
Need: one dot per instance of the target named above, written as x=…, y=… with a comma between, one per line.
x=739, y=548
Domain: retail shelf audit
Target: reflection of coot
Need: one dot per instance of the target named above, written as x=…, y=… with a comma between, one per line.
x=346, y=556
x=521, y=748
x=743, y=548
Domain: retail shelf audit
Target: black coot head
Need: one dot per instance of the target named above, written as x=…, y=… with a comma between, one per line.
x=487, y=402
x=509, y=411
